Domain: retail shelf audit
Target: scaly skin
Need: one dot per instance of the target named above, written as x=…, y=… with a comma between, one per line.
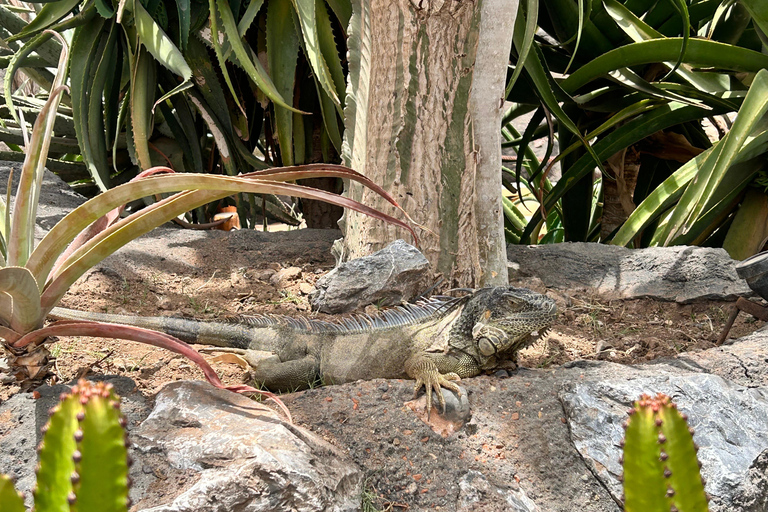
x=436, y=343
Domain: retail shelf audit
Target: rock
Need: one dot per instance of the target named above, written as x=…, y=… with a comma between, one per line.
x=742, y=362
x=731, y=440
x=284, y=276
x=306, y=288
x=477, y=493
x=200, y=449
x=388, y=277
x=242, y=455
x=683, y=274
x=754, y=492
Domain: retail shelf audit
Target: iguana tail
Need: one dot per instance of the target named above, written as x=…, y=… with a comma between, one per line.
x=192, y=331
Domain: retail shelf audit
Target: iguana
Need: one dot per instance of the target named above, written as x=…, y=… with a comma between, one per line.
x=435, y=341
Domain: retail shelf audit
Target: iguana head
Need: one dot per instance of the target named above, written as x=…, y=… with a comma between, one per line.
x=505, y=317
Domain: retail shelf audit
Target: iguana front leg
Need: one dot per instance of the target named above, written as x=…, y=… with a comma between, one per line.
x=434, y=371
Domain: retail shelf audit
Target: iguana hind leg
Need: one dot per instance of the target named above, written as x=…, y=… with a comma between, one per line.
x=286, y=376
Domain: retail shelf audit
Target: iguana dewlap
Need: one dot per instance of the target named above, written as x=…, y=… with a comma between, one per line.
x=435, y=341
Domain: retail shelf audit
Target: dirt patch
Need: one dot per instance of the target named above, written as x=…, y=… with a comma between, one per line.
x=216, y=281
x=217, y=284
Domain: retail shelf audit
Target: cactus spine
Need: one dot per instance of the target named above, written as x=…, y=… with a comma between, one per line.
x=661, y=471
x=83, y=459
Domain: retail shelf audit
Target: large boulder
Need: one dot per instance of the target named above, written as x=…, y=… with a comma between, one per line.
x=680, y=273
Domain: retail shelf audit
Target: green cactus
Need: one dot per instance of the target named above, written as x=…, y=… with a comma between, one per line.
x=661, y=471
x=83, y=464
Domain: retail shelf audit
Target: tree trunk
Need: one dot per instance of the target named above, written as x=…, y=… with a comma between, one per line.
x=413, y=127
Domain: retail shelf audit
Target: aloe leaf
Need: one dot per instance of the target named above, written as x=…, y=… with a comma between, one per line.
x=747, y=233
x=93, y=52
x=17, y=61
x=248, y=16
x=10, y=499
x=47, y=16
x=630, y=79
x=55, y=453
x=307, y=12
x=721, y=205
x=682, y=8
x=184, y=12
x=634, y=130
x=143, y=86
x=246, y=20
x=330, y=51
x=666, y=194
x=204, y=73
x=758, y=11
x=330, y=119
x=252, y=67
x=220, y=53
x=638, y=30
x=343, y=11
x=21, y=237
x=159, y=44
x=700, y=53
x=525, y=22
x=282, y=55
x=54, y=243
x=19, y=284
x=161, y=47
x=105, y=8
x=206, y=189
x=722, y=157
x=579, y=31
x=14, y=24
x=215, y=126
x=545, y=85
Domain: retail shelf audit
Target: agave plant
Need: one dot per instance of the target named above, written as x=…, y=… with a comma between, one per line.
x=34, y=279
x=626, y=85
x=212, y=86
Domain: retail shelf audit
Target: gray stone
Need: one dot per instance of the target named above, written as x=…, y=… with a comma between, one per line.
x=200, y=449
x=388, y=277
x=477, y=493
x=744, y=362
x=285, y=275
x=681, y=273
x=243, y=455
x=729, y=422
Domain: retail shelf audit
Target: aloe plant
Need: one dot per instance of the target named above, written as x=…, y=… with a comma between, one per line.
x=34, y=279
x=179, y=83
x=661, y=471
x=83, y=457
x=625, y=90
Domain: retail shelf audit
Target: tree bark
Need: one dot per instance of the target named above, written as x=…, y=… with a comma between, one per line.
x=413, y=127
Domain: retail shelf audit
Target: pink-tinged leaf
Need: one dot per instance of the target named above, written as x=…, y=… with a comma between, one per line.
x=9, y=335
x=25, y=313
x=127, y=229
x=103, y=222
x=131, y=333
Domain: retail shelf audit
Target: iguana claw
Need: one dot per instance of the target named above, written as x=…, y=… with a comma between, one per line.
x=432, y=379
